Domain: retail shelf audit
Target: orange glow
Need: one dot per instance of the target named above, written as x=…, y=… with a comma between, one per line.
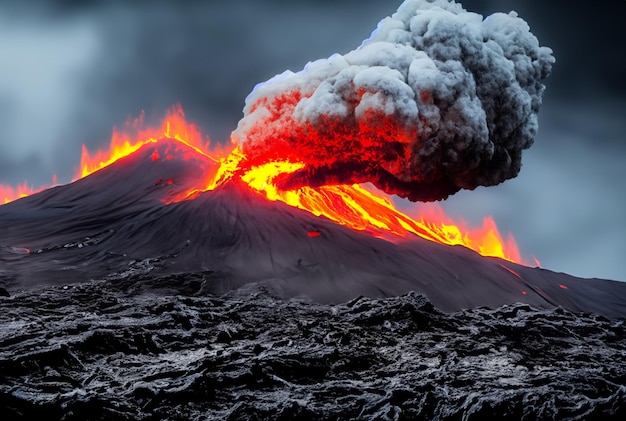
x=352, y=205
x=173, y=126
x=360, y=209
x=9, y=194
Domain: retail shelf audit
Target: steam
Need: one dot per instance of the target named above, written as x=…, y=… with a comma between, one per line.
x=435, y=101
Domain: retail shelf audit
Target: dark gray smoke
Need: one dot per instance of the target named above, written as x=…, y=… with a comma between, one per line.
x=438, y=99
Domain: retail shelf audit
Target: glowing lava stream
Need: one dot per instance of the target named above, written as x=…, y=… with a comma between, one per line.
x=349, y=205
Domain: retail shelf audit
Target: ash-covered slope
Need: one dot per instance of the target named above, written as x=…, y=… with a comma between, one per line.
x=114, y=223
x=57, y=235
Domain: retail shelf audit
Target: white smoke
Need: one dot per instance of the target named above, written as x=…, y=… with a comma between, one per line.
x=466, y=91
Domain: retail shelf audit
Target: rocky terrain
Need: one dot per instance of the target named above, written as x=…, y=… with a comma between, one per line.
x=115, y=304
x=145, y=347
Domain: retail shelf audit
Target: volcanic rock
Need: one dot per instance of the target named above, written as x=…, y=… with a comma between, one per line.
x=124, y=349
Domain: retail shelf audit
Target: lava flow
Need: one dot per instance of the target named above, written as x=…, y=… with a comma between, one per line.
x=355, y=206
x=437, y=100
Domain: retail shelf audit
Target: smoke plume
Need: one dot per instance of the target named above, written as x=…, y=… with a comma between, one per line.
x=438, y=99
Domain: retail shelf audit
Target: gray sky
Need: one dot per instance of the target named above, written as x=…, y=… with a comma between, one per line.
x=71, y=70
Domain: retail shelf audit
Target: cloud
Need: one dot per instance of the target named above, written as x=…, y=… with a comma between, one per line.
x=436, y=100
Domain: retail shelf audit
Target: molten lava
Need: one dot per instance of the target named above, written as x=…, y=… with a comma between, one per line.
x=351, y=205
x=174, y=126
x=9, y=194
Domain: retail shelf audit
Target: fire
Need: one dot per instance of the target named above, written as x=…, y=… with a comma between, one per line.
x=9, y=194
x=124, y=143
x=363, y=210
x=174, y=126
x=354, y=206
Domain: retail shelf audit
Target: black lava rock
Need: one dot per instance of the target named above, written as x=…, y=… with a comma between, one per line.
x=99, y=351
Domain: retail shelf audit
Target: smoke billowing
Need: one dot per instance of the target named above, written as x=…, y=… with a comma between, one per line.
x=438, y=99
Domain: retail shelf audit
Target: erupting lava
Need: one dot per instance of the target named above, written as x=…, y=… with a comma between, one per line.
x=437, y=100
x=9, y=193
x=351, y=205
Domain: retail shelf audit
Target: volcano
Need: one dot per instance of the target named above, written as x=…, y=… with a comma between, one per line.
x=273, y=278
x=121, y=302
x=119, y=221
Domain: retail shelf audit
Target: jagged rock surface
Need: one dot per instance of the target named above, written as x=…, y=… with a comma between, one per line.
x=141, y=347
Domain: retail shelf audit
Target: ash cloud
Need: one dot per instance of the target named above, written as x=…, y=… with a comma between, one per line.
x=438, y=99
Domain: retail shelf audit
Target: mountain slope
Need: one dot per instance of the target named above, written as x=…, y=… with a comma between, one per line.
x=115, y=223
